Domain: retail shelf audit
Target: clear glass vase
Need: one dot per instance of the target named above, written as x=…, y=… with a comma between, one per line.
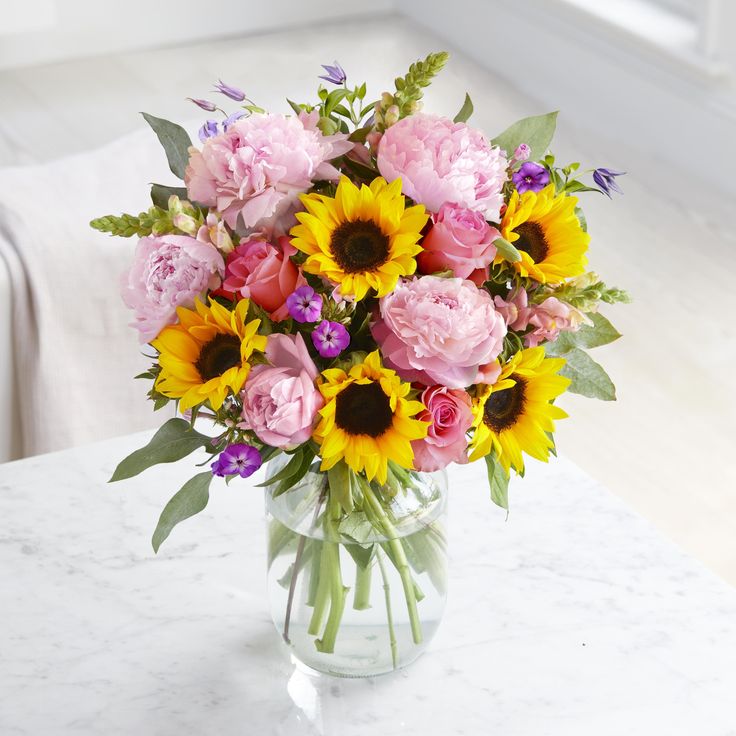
x=361, y=592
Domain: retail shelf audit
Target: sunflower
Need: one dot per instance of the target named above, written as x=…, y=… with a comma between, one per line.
x=515, y=413
x=362, y=238
x=367, y=419
x=206, y=354
x=547, y=233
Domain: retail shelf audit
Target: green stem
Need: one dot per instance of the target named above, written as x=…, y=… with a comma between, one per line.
x=389, y=615
x=399, y=559
x=338, y=594
x=362, y=596
x=314, y=572
x=323, y=593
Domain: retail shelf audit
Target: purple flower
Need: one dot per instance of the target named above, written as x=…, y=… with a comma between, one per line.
x=230, y=119
x=330, y=339
x=530, y=177
x=204, y=104
x=232, y=92
x=304, y=304
x=606, y=180
x=335, y=73
x=240, y=459
x=208, y=130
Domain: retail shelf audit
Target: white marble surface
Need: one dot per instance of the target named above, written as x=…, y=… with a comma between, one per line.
x=574, y=617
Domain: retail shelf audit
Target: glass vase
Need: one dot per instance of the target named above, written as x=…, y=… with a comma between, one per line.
x=357, y=592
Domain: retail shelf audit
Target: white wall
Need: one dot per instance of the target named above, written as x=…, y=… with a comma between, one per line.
x=40, y=31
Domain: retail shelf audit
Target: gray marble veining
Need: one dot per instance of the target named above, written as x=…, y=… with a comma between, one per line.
x=571, y=617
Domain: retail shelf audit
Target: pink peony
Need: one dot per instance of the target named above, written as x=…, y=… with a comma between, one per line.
x=460, y=240
x=549, y=319
x=440, y=161
x=450, y=413
x=515, y=310
x=168, y=271
x=437, y=330
x=280, y=400
x=265, y=273
x=254, y=172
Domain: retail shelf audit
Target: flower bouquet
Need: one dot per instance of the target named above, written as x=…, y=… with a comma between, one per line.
x=360, y=293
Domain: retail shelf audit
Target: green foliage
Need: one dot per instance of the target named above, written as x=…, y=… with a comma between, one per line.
x=601, y=332
x=160, y=195
x=188, y=501
x=507, y=250
x=587, y=377
x=293, y=471
x=498, y=481
x=173, y=441
x=465, y=111
x=340, y=480
x=585, y=292
x=536, y=132
x=175, y=141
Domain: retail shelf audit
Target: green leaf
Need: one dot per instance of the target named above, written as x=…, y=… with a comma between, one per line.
x=588, y=377
x=465, y=111
x=188, y=501
x=287, y=471
x=357, y=526
x=301, y=471
x=601, y=332
x=174, y=139
x=339, y=477
x=536, y=132
x=498, y=482
x=361, y=555
x=160, y=194
x=507, y=250
x=175, y=440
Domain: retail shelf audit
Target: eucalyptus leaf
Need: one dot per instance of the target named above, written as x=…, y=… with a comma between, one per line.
x=498, y=482
x=465, y=111
x=160, y=194
x=536, y=131
x=174, y=139
x=188, y=501
x=588, y=377
x=173, y=441
x=601, y=332
x=507, y=250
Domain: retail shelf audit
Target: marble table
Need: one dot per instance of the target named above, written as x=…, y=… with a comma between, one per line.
x=572, y=617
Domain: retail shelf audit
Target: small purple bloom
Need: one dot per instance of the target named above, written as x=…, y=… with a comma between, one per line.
x=606, y=180
x=230, y=119
x=330, y=339
x=335, y=73
x=208, y=130
x=304, y=304
x=204, y=104
x=530, y=177
x=232, y=92
x=240, y=459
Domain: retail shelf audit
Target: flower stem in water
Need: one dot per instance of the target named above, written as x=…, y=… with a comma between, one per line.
x=389, y=615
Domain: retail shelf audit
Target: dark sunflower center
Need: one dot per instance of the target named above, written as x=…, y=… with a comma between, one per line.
x=532, y=241
x=503, y=408
x=359, y=246
x=219, y=354
x=363, y=409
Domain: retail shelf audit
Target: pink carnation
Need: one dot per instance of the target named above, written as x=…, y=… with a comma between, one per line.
x=265, y=273
x=549, y=319
x=460, y=240
x=254, y=172
x=436, y=330
x=280, y=400
x=168, y=271
x=450, y=413
x=440, y=161
x=515, y=310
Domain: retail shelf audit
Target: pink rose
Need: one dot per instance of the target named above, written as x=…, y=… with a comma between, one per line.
x=254, y=172
x=265, y=273
x=450, y=413
x=549, y=319
x=280, y=400
x=168, y=271
x=460, y=239
x=437, y=330
x=440, y=161
x=515, y=310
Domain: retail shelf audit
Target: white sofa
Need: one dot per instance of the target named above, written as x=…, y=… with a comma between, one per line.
x=9, y=436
